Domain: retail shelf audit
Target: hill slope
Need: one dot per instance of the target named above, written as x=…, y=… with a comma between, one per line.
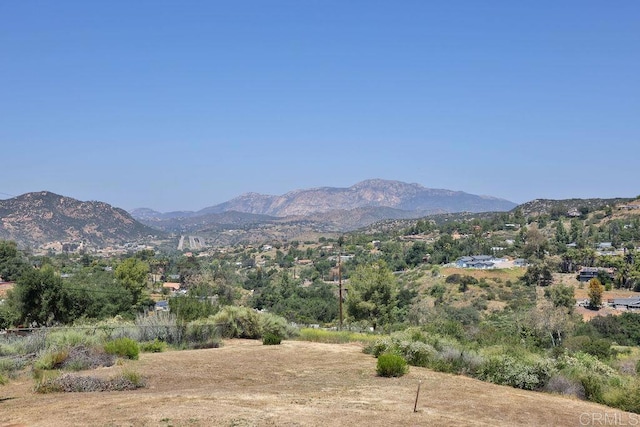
x=41, y=217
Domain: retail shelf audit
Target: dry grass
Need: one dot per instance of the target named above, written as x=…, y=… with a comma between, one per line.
x=294, y=384
x=503, y=274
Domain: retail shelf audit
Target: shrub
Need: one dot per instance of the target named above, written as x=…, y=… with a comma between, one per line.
x=238, y=322
x=162, y=326
x=626, y=398
x=561, y=384
x=81, y=358
x=52, y=359
x=276, y=325
x=417, y=353
x=123, y=347
x=11, y=366
x=70, y=337
x=453, y=360
x=453, y=278
x=379, y=347
x=203, y=333
x=155, y=346
x=583, y=363
x=271, y=339
x=72, y=383
x=3, y=380
x=22, y=345
x=592, y=385
x=391, y=365
x=506, y=370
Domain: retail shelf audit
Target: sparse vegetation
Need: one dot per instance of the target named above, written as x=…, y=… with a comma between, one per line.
x=70, y=383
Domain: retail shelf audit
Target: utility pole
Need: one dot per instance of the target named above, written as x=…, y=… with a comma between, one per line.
x=340, y=289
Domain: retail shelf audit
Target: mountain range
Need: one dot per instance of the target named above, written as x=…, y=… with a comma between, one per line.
x=41, y=217
x=369, y=194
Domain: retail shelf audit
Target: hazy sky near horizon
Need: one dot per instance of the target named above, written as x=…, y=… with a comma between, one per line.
x=178, y=105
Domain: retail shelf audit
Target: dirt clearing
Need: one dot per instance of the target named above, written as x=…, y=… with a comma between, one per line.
x=294, y=384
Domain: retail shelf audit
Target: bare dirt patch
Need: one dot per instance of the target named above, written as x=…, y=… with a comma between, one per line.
x=294, y=384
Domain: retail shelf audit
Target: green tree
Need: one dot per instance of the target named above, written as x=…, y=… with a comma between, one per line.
x=561, y=296
x=132, y=274
x=372, y=294
x=538, y=274
x=595, y=293
x=12, y=262
x=40, y=298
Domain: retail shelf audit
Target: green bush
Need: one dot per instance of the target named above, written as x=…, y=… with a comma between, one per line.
x=155, y=346
x=52, y=359
x=3, y=380
x=593, y=389
x=271, y=339
x=417, y=353
x=391, y=365
x=238, y=322
x=626, y=397
x=123, y=347
x=506, y=370
x=277, y=325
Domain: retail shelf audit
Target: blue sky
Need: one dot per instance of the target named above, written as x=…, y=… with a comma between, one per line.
x=183, y=105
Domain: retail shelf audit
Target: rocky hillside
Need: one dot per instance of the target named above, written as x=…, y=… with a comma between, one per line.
x=408, y=200
x=563, y=207
x=338, y=209
x=370, y=193
x=33, y=219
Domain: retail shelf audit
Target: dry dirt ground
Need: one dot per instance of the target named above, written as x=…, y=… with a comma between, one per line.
x=297, y=383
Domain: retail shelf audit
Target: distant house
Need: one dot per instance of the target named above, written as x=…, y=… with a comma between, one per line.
x=573, y=212
x=173, y=286
x=162, y=306
x=632, y=303
x=520, y=262
x=588, y=273
x=476, y=261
